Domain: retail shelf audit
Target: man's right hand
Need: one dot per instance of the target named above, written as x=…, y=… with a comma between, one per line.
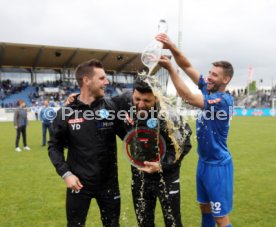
x=150, y=167
x=70, y=99
x=164, y=38
x=73, y=182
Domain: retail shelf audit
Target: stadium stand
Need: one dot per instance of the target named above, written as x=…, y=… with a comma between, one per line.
x=37, y=72
x=58, y=91
x=55, y=91
x=259, y=99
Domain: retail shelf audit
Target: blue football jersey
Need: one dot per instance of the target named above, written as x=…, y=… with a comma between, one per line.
x=212, y=125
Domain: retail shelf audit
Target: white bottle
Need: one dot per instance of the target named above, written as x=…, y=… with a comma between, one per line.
x=152, y=53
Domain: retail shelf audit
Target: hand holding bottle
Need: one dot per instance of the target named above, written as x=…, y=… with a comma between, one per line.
x=165, y=40
x=152, y=53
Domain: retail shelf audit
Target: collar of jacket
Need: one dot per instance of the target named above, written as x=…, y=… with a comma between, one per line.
x=77, y=103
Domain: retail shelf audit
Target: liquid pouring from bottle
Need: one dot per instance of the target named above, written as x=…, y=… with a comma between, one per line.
x=152, y=53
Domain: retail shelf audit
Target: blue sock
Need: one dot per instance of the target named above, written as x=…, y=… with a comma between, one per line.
x=207, y=220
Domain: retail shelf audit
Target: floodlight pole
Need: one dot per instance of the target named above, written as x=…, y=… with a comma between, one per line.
x=179, y=43
x=248, y=85
x=180, y=23
x=249, y=78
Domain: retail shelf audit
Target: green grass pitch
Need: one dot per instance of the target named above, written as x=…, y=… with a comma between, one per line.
x=32, y=194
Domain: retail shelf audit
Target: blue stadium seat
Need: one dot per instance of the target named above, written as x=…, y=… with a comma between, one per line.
x=24, y=94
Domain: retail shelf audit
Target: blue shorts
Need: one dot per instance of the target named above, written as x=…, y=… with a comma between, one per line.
x=215, y=186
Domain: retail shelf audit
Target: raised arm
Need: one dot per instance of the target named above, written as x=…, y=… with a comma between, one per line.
x=183, y=90
x=179, y=57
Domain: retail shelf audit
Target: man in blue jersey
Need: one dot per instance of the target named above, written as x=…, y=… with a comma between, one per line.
x=214, y=176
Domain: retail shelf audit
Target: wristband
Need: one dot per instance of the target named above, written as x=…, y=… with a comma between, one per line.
x=67, y=174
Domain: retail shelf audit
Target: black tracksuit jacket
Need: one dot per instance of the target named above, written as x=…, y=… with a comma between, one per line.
x=91, y=143
x=170, y=167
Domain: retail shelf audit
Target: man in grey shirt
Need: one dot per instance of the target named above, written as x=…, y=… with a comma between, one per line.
x=20, y=123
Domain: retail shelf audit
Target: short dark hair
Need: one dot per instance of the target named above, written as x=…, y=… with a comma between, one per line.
x=20, y=101
x=142, y=86
x=226, y=66
x=86, y=69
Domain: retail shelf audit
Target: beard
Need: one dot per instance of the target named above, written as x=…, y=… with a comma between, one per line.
x=142, y=112
x=97, y=93
x=214, y=88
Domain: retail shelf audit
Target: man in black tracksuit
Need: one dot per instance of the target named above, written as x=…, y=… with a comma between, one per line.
x=86, y=128
x=154, y=180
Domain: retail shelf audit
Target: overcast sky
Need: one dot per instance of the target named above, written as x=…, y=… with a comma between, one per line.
x=241, y=31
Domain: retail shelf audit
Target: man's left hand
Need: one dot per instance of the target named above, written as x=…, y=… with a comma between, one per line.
x=165, y=62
